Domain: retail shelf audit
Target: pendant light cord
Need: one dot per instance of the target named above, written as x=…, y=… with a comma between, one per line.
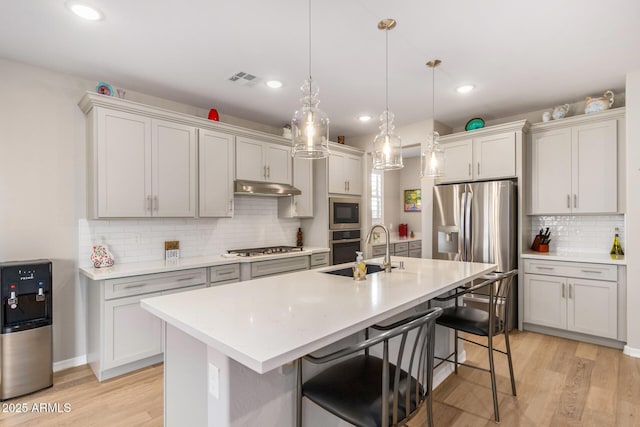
x=433, y=95
x=310, y=79
x=386, y=77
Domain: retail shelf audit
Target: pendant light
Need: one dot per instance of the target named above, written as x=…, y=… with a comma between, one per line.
x=310, y=125
x=433, y=157
x=387, y=146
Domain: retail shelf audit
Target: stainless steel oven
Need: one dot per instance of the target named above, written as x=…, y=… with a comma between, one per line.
x=344, y=244
x=344, y=213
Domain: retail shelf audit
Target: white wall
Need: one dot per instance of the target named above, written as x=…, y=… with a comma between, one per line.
x=632, y=250
x=43, y=184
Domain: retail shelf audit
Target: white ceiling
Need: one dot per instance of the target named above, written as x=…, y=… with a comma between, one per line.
x=522, y=56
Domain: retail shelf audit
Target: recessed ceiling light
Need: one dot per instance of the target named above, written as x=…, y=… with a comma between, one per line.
x=364, y=118
x=84, y=11
x=274, y=84
x=465, y=88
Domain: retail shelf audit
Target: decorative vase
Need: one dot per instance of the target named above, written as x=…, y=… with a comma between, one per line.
x=101, y=257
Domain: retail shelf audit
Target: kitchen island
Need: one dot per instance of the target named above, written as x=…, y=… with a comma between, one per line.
x=228, y=349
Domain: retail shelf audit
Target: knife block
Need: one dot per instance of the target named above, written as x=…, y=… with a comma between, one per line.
x=539, y=247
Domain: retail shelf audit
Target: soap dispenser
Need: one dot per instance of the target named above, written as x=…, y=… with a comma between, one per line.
x=360, y=268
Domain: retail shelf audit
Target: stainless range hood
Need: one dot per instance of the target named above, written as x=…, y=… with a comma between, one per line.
x=265, y=189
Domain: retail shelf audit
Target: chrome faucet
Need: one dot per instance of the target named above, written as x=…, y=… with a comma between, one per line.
x=387, y=254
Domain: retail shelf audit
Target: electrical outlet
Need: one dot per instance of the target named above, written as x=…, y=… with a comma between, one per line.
x=214, y=381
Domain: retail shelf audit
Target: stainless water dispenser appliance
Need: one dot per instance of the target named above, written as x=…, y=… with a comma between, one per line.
x=26, y=356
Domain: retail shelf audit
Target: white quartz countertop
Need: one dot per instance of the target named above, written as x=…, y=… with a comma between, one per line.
x=161, y=266
x=268, y=322
x=575, y=257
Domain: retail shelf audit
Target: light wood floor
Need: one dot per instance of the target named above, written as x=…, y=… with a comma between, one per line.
x=559, y=383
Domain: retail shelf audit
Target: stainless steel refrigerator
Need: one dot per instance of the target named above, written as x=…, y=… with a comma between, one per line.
x=477, y=222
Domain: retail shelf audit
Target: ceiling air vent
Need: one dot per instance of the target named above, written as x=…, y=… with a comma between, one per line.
x=244, y=79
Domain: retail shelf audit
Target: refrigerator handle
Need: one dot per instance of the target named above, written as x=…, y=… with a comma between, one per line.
x=461, y=232
x=467, y=227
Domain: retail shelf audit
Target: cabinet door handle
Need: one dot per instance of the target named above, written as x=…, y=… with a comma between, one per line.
x=592, y=271
x=135, y=286
x=563, y=285
x=469, y=169
x=231, y=205
x=570, y=287
x=345, y=185
x=149, y=203
x=348, y=185
x=575, y=200
x=155, y=203
x=478, y=168
x=569, y=201
x=545, y=268
x=184, y=279
x=268, y=171
x=264, y=171
x=224, y=273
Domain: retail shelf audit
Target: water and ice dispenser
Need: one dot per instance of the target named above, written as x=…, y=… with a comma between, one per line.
x=26, y=357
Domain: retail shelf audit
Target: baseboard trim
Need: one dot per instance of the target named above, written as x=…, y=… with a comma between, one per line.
x=630, y=351
x=591, y=339
x=443, y=371
x=70, y=363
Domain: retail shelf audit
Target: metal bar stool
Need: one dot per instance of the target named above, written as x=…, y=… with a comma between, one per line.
x=475, y=321
x=368, y=391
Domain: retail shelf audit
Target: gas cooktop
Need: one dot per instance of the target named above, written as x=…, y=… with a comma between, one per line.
x=266, y=251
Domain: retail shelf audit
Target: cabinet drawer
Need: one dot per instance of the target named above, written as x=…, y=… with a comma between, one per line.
x=572, y=269
x=318, y=260
x=144, y=284
x=415, y=253
x=401, y=247
x=378, y=250
x=221, y=273
x=415, y=244
x=278, y=266
x=401, y=253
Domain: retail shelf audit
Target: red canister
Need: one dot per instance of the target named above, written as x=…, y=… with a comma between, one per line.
x=403, y=230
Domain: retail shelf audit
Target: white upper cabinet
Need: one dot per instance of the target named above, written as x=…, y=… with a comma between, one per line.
x=551, y=171
x=483, y=154
x=594, y=173
x=121, y=164
x=495, y=156
x=574, y=168
x=345, y=173
x=173, y=169
x=262, y=161
x=300, y=206
x=144, y=167
x=458, y=163
x=216, y=154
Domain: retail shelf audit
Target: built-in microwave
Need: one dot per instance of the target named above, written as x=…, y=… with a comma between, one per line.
x=344, y=213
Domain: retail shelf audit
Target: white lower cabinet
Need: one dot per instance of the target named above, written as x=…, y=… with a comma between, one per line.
x=131, y=333
x=576, y=297
x=122, y=337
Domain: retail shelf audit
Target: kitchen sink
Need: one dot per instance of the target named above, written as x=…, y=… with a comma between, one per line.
x=348, y=271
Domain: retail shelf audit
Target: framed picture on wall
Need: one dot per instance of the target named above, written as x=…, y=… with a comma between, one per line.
x=412, y=201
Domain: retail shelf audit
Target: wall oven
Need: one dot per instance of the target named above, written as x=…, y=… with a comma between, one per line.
x=344, y=244
x=344, y=213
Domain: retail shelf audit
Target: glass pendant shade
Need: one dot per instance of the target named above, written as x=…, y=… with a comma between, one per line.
x=432, y=159
x=310, y=126
x=387, y=146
